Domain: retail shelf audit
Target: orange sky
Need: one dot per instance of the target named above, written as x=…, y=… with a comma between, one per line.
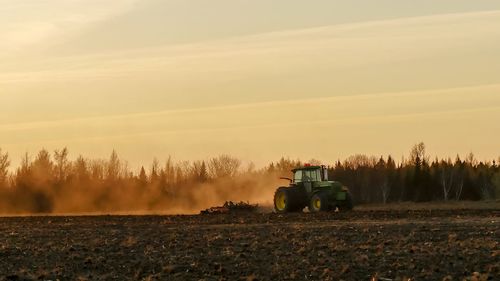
x=156, y=78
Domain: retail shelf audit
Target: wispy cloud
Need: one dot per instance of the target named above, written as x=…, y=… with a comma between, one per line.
x=332, y=47
x=25, y=23
x=369, y=109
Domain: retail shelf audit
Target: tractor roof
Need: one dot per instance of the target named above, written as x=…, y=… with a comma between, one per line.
x=306, y=168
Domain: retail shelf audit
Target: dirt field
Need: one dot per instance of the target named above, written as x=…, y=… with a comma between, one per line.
x=359, y=245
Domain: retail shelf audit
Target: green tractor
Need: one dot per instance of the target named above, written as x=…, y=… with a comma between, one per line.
x=311, y=188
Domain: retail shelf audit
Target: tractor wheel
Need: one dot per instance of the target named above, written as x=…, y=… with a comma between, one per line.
x=319, y=202
x=347, y=204
x=287, y=200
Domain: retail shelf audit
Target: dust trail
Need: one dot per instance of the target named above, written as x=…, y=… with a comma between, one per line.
x=36, y=192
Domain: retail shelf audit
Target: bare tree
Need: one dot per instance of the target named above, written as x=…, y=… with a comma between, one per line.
x=179, y=175
x=379, y=178
x=459, y=187
x=360, y=160
x=125, y=170
x=97, y=169
x=417, y=154
x=223, y=166
x=4, y=168
x=388, y=173
x=446, y=177
x=80, y=169
x=459, y=171
x=284, y=165
x=61, y=164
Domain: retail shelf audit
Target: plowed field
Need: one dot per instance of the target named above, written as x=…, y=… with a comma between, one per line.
x=357, y=245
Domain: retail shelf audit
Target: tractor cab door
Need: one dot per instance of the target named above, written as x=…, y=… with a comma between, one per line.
x=303, y=178
x=308, y=179
x=298, y=178
x=308, y=186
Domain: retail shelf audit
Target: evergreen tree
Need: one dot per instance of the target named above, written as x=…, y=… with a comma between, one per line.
x=113, y=168
x=155, y=172
x=203, y=175
x=143, y=178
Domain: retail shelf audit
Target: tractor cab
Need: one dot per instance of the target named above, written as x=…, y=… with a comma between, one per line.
x=310, y=174
x=308, y=177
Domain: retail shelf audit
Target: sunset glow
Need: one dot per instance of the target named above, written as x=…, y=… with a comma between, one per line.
x=154, y=78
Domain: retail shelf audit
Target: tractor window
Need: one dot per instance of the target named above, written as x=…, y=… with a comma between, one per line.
x=312, y=175
x=316, y=175
x=298, y=176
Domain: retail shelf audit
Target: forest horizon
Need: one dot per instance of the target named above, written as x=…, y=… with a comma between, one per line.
x=52, y=183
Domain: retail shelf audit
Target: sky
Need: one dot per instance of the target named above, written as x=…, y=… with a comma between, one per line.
x=256, y=79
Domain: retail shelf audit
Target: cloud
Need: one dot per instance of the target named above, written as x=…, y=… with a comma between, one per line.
x=25, y=23
x=331, y=47
x=440, y=51
x=368, y=109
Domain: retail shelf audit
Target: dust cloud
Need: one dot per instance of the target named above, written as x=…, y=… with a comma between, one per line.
x=46, y=186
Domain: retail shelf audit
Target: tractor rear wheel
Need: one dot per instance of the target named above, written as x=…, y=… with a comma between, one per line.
x=287, y=199
x=319, y=202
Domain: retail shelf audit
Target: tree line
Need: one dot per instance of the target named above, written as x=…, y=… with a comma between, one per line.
x=51, y=182
x=419, y=179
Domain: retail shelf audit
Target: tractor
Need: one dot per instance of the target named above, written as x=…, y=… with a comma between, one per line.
x=311, y=188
